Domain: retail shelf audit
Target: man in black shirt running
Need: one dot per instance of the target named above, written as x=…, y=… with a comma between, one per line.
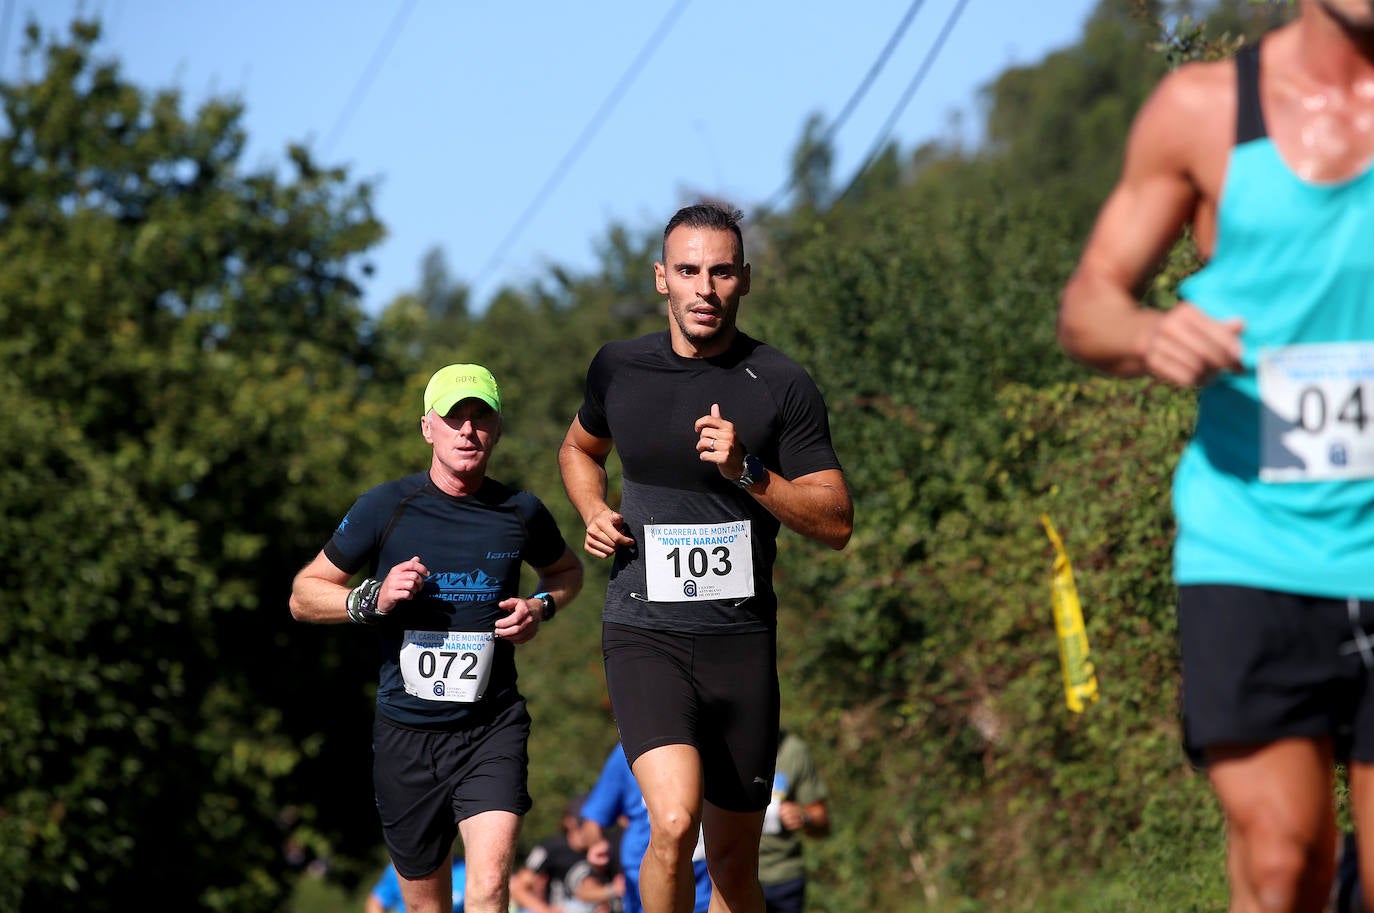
x=722, y=440
x=444, y=551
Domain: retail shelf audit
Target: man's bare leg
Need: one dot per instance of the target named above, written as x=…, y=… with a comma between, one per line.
x=489, y=844
x=1280, y=822
x=432, y=893
x=670, y=778
x=732, y=854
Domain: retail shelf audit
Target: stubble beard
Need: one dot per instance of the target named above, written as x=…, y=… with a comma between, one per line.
x=696, y=334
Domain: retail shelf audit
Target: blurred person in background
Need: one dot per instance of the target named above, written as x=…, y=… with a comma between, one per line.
x=798, y=809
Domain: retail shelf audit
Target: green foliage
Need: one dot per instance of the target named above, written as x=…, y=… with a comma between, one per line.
x=951, y=459
x=110, y=601
x=973, y=770
x=175, y=335
x=1061, y=124
x=1227, y=26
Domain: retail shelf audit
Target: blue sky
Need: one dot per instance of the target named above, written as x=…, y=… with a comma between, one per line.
x=513, y=135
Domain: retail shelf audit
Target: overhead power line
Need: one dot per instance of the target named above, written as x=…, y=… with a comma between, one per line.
x=602, y=112
x=369, y=75
x=911, y=88
x=879, y=62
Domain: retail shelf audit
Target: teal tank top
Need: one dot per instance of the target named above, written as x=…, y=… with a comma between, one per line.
x=1275, y=489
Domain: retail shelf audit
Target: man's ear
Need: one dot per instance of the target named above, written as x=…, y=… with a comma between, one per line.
x=424, y=429
x=660, y=279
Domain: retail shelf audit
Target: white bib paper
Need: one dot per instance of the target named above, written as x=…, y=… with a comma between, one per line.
x=693, y=562
x=450, y=666
x=1317, y=412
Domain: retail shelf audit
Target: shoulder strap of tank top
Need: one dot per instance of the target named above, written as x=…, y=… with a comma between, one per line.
x=1249, y=115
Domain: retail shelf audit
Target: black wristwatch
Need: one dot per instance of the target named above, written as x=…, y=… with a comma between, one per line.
x=754, y=470
x=550, y=607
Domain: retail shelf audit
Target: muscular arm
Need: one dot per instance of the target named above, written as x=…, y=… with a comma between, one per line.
x=319, y=593
x=1101, y=320
x=582, y=463
x=563, y=579
x=817, y=505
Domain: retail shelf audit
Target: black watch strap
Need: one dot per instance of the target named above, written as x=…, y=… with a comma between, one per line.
x=550, y=606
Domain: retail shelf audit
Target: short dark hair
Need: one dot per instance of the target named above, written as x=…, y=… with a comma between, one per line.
x=718, y=216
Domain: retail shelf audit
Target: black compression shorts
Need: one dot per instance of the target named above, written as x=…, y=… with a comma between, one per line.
x=428, y=781
x=1259, y=666
x=715, y=692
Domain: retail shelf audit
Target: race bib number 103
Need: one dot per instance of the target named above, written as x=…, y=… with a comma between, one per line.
x=693, y=562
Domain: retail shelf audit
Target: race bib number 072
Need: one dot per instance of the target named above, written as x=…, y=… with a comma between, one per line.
x=452, y=666
x=695, y=562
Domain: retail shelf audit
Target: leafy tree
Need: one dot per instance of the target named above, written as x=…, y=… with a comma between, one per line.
x=1061, y=124
x=811, y=164
x=179, y=339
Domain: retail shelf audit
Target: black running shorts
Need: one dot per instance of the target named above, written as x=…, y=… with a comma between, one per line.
x=1259, y=666
x=715, y=692
x=426, y=782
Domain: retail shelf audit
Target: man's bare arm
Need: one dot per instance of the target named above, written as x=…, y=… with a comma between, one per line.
x=319, y=593
x=817, y=505
x=563, y=579
x=582, y=463
x=1101, y=320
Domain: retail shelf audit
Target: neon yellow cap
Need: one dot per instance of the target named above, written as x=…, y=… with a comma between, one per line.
x=455, y=383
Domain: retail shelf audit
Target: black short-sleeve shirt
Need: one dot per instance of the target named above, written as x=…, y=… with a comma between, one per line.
x=647, y=398
x=473, y=547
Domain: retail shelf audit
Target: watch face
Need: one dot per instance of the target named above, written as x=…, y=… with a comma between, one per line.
x=753, y=471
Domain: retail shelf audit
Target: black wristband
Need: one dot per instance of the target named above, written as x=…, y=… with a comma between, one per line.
x=362, y=602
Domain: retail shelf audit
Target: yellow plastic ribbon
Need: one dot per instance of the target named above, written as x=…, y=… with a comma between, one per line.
x=1080, y=680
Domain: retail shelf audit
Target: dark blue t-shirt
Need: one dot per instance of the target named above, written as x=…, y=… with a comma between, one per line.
x=473, y=547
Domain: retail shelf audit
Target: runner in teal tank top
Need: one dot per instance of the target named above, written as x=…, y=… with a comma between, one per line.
x=1269, y=158
x=1276, y=489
